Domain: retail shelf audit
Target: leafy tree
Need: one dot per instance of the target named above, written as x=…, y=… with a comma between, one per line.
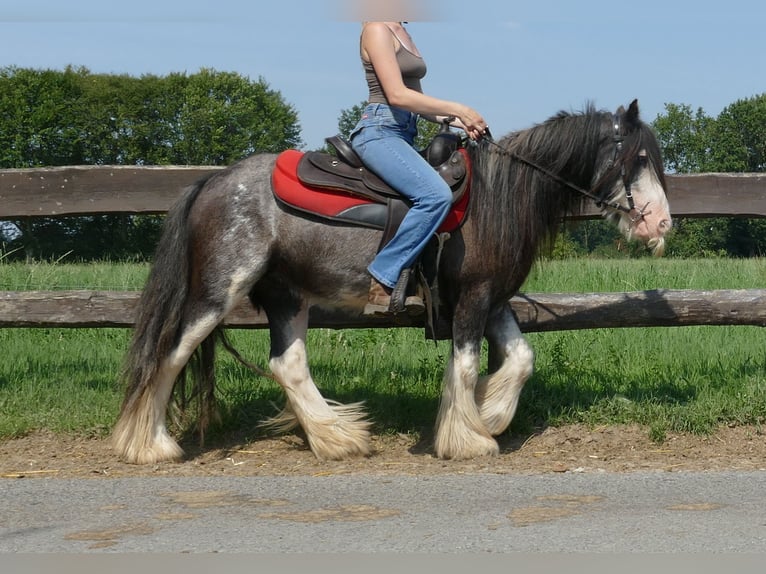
x=735, y=141
x=685, y=138
x=225, y=117
x=740, y=137
x=41, y=114
x=592, y=235
x=55, y=118
x=349, y=117
x=426, y=132
x=739, y=134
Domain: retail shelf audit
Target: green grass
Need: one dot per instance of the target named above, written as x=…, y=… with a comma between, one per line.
x=54, y=277
x=667, y=379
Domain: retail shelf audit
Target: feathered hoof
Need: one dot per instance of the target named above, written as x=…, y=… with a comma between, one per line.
x=161, y=448
x=341, y=440
x=345, y=436
x=467, y=446
x=357, y=447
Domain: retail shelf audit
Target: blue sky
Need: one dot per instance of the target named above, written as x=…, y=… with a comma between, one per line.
x=516, y=62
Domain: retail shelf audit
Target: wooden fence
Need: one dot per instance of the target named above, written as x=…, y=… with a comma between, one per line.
x=88, y=190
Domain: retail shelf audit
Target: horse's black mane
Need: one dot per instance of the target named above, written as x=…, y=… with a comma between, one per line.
x=518, y=204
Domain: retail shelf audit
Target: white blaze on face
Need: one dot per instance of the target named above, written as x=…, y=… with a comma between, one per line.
x=649, y=198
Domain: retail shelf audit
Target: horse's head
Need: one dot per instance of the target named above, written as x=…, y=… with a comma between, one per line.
x=632, y=181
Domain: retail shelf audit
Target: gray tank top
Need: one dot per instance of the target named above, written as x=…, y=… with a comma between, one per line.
x=413, y=69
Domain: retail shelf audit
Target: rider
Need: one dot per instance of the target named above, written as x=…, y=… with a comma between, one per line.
x=384, y=137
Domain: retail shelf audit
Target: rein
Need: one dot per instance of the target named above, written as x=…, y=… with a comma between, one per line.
x=618, y=140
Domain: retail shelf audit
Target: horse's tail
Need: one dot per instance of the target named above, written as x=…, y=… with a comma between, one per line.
x=201, y=388
x=160, y=316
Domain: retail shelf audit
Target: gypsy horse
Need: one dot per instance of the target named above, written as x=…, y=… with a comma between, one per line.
x=228, y=238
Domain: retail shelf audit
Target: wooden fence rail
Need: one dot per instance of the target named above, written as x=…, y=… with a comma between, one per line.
x=536, y=312
x=82, y=190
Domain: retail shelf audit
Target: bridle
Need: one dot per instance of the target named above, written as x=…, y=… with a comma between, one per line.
x=599, y=200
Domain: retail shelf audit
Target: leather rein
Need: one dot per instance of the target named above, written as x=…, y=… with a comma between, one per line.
x=618, y=139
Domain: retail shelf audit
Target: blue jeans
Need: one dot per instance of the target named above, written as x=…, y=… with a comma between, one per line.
x=384, y=139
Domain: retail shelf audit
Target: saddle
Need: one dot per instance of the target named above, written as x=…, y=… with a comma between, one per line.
x=337, y=186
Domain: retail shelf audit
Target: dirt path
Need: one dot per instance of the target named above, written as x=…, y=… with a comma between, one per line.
x=567, y=449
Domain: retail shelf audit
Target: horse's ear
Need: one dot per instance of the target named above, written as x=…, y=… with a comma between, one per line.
x=632, y=116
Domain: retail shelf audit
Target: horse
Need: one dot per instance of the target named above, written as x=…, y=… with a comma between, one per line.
x=227, y=240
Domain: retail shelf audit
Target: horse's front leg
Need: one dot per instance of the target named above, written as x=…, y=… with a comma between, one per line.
x=460, y=431
x=511, y=361
x=334, y=431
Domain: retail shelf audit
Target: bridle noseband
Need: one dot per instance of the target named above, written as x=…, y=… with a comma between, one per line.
x=600, y=201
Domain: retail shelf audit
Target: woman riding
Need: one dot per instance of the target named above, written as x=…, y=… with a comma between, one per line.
x=384, y=137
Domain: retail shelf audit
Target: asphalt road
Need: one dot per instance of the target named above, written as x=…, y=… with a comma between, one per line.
x=569, y=513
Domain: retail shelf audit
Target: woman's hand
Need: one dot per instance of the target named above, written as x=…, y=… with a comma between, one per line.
x=471, y=121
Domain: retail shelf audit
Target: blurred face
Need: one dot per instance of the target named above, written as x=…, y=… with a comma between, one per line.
x=385, y=10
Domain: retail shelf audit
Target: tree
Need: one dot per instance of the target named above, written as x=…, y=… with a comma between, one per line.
x=349, y=117
x=739, y=134
x=426, y=132
x=740, y=137
x=73, y=117
x=735, y=141
x=41, y=116
x=685, y=138
x=225, y=117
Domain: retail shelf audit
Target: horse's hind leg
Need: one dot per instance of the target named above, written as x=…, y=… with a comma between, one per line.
x=511, y=361
x=334, y=431
x=140, y=435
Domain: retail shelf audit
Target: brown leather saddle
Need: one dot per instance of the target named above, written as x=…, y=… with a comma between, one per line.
x=343, y=171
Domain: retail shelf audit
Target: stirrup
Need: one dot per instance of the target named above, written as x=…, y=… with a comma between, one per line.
x=400, y=302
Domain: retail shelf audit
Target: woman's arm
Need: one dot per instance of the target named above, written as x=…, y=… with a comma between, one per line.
x=378, y=46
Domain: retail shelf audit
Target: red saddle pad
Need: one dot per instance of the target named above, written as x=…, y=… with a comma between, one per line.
x=332, y=203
